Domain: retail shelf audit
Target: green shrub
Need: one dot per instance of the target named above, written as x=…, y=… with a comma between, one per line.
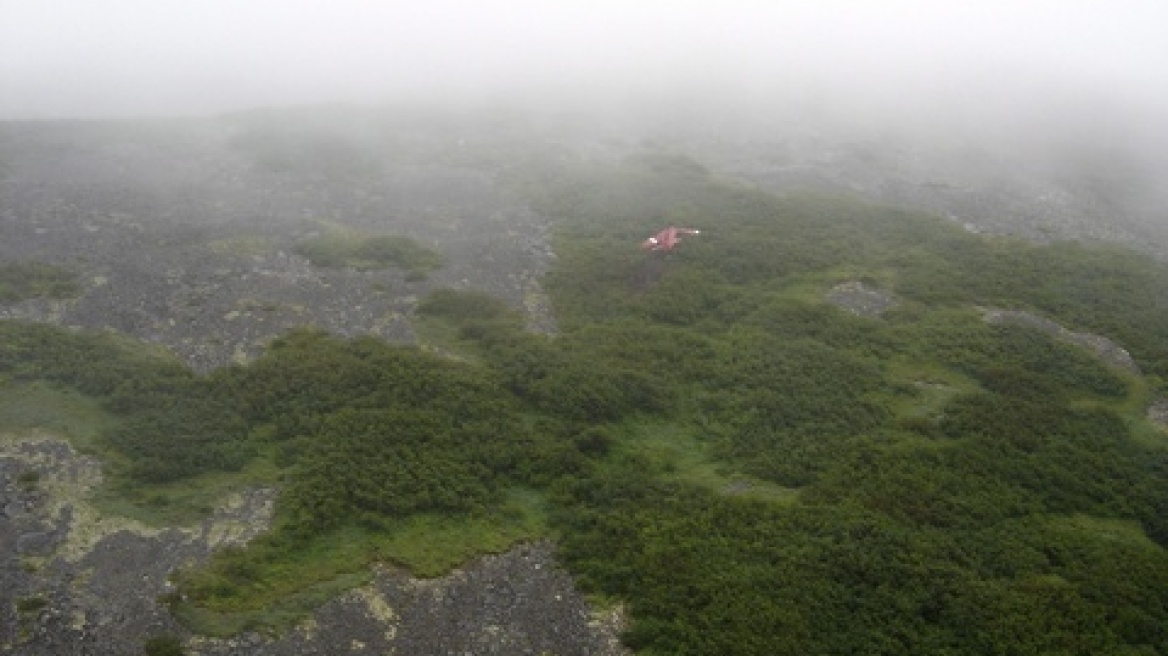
x=30, y=605
x=337, y=249
x=24, y=280
x=163, y=645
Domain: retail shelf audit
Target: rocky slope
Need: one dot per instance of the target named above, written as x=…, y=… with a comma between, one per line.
x=1065, y=189
x=75, y=582
x=184, y=234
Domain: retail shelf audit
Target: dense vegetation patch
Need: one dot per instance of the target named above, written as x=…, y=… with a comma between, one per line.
x=339, y=249
x=24, y=280
x=163, y=645
x=947, y=467
x=749, y=468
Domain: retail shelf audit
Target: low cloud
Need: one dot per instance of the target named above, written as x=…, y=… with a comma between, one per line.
x=990, y=69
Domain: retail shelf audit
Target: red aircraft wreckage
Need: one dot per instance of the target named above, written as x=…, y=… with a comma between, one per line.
x=658, y=246
x=667, y=239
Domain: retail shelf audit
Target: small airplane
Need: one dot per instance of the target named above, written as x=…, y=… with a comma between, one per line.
x=667, y=239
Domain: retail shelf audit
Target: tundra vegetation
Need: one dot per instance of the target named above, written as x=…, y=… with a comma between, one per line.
x=339, y=248
x=748, y=468
x=24, y=280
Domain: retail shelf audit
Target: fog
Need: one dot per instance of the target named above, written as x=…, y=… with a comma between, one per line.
x=1015, y=74
x=854, y=59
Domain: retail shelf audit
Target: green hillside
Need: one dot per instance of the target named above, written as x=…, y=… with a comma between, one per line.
x=747, y=467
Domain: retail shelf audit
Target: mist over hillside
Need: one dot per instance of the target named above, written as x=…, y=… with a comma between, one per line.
x=874, y=410
x=1040, y=118
x=324, y=327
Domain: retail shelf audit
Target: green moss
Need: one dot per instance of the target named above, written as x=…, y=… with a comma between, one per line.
x=679, y=454
x=54, y=409
x=242, y=245
x=163, y=645
x=340, y=248
x=24, y=280
x=31, y=605
x=278, y=580
x=28, y=479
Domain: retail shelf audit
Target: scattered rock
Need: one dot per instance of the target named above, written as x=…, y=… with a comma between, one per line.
x=37, y=543
x=103, y=577
x=180, y=242
x=518, y=602
x=1106, y=350
x=737, y=487
x=861, y=299
x=1158, y=412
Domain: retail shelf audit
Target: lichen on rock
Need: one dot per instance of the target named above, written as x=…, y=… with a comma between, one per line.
x=861, y=299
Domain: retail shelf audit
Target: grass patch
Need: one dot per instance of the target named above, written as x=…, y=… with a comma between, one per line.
x=27, y=480
x=30, y=605
x=680, y=455
x=438, y=335
x=1134, y=411
x=433, y=545
x=813, y=286
x=24, y=280
x=185, y=501
x=925, y=388
x=279, y=616
x=340, y=247
x=164, y=645
x=452, y=321
x=41, y=406
x=1104, y=529
x=242, y=245
x=278, y=580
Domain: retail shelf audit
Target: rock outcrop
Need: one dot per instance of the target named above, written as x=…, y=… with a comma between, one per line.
x=75, y=582
x=1104, y=348
x=519, y=602
x=185, y=241
x=861, y=299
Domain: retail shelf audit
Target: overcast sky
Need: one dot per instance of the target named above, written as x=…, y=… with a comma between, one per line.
x=100, y=58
